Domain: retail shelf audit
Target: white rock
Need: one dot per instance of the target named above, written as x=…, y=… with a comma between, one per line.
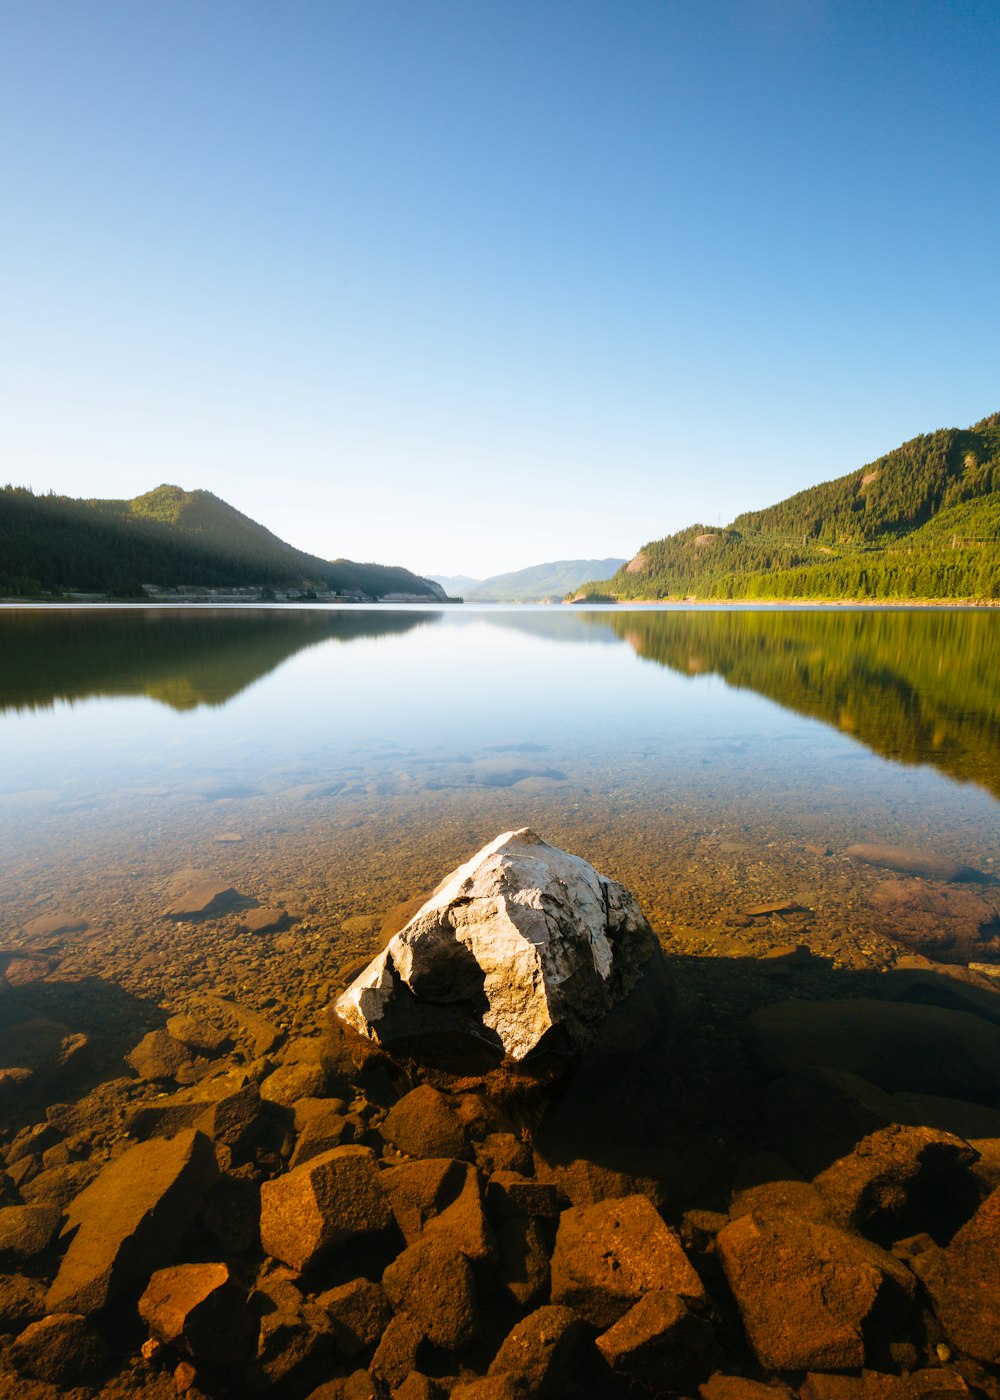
x=522, y=942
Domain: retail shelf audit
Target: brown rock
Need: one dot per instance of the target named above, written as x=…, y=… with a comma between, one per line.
x=46, y=1048
x=417, y=1386
x=540, y=1353
x=234, y=1119
x=398, y=1353
x=509, y=1193
x=159, y=1056
x=198, y=1034
x=232, y=1214
x=503, y=1152
x=962, y=1283
x=896, y=1180
x=295, y=1348
x=943, y=922
x=359, y=1312
x=584, y=1183
x=438, y=1198
x=57, y=1186
x=130, y=1220
x=268, y=919
x=61, y=1349
x=320, y=1132
x=898, y=1046
x=434, y=1285
x=328, y=1200
x=201, y=900
x=523, y=1260
x=26, y=1230
x=609, y=1254
x=201, y=1308
x=22, y=1300
x=54, y=925
x=794, y=1197
x=806, y=1290
x=488, y=1388
x=290, y=1083
x=425, y=1124
x=913, y=861
x=720, y=1387
x=819, y=1115
x=662, y=1343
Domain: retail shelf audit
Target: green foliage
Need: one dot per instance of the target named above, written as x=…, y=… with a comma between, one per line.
x=168, y=537
x=920, y=522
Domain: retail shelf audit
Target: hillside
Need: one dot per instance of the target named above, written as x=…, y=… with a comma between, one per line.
x=923, y=521
x=540, y=583
x=170, y=538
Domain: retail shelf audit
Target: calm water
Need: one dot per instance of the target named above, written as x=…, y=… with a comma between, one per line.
x=708, y=759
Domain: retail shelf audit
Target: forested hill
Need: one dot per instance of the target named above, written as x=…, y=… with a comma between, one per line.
x=921, y=522
x=168, y=537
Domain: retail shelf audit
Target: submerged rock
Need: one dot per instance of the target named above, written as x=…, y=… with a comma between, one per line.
x=524, y=947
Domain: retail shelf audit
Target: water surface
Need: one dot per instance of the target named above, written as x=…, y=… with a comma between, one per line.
x=340, y=761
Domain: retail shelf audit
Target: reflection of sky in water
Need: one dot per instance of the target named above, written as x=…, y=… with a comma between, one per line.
x=555, y=708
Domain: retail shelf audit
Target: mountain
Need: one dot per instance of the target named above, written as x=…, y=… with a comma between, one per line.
x=541, y=583
x=168, y=538
x=454, y=584
x=923, y=521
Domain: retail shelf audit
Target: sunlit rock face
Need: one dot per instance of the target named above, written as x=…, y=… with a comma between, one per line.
x=522, y=948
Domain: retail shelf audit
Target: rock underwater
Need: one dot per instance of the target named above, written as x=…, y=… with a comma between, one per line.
x=523, y=949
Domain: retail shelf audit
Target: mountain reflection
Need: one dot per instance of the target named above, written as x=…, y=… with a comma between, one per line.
x=915, y=686
x=182, y=658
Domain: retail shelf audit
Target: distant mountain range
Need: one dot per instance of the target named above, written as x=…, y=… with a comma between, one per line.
x=541, y=583
x=170, y=538
x=921, y=522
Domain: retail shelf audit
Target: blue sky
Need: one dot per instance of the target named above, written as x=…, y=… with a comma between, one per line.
x=468, y=285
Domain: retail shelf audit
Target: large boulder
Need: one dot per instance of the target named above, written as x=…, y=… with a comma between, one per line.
x=523, y=948
x=131, y=1220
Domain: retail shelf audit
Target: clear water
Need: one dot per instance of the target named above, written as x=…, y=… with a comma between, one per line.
x=710, y=759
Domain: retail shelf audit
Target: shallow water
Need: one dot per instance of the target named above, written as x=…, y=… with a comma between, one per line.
x=711, y=760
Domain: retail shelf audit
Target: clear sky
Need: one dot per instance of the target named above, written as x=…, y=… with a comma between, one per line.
x=471, y=284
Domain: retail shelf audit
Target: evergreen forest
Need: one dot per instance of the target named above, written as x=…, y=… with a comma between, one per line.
x=169, y=538
x=921, y=522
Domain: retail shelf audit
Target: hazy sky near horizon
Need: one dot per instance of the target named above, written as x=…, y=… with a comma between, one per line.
x=471, y=284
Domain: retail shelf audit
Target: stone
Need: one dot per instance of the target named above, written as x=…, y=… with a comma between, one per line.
x=509, y=1193
x=442, y=1198
x=159, y=1056
x=44, y=1047
x=22, y=1300
x=417, y=1386
x=897, y=1046
x=540, y=1353
x=434, y=1285
x=27, y=1230
x=295, y=1348
x=130, y=1220
x=504, y=1152
x=200, y=900
x=289, y=1083
x=720, y=1387
x=200, y=1308
x=806, y=1291
x=398, y=1351
x=962, y=1283
x=57, y=1186
x=523, y=947
x=662, y=1343
x=425, y=1123
x=951, y=925
x=232, y=1214
x=54, y=926
x=320, y=1132
x=330, y=1199
x=267, y=919
x=198, y=1034
x=609, y=1254
x=913, y=861
x=234, y=1119
x=896, y=1180
x=62, y=1349
x=359, y=1312
x=584, y=1183
x=522, y=1252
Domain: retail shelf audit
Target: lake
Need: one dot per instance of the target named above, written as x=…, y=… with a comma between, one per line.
x=340, y=762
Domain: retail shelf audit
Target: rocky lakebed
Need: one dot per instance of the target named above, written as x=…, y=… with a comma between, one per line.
x=531, y=1148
